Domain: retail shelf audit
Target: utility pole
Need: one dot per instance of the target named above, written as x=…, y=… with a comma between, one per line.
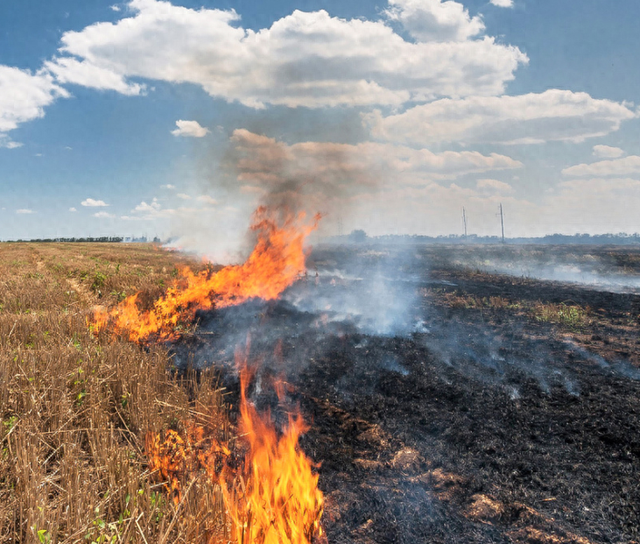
x=464, y=221
x=502, y=221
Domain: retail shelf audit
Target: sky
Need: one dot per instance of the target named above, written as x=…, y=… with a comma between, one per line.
x=176, y=119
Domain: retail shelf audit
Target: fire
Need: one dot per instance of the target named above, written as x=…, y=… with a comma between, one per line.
x=276, y=261
x=276, y=497
x=271, y=495
x=175, y=457
x=272, y=498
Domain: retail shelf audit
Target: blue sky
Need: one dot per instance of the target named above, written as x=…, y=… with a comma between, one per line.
x=389, y=116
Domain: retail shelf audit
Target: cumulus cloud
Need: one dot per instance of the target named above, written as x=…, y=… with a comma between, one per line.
x=168, y=186
x=616, y=167
x=85, y=73
x=184, y=196
x=24, y=211
x=147, y=211
x=303, y=59
x=607, y=152
x=91, y=203
x=143, y=207
x=191, y=129
x=435, y=20
x=524, y=119
x=72, y=209
x=103, y=215
x=494, y=186
x=23, y=97
x=502, y=3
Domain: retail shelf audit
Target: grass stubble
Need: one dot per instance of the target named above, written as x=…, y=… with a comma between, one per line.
x=75, y=407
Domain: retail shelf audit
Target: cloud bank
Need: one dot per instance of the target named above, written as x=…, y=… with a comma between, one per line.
x=304, y=59
x=554, y=115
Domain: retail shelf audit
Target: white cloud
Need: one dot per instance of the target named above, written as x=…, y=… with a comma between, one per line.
x=435, y=20
x=115, y=7
x=23, y=97
x=69, y=70
x=494, y=186
x=8, y=143
x=304, y=59
x=502, y=3
x=143, y=207
x=168, y=186
x=72, y=209
x=529, y=118
x=208, y=200
x=91, y=203
x=24, y=211
x=616, y=167
x=183, y=196
x=103, y=215
x=147, y=211
x=190, y=129
x=607, y=152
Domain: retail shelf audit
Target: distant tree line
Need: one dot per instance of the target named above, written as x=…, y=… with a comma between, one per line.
x=360, y=237
x=110, y=239
x=90, y=239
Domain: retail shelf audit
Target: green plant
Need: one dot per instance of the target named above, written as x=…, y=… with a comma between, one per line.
x=98, y=282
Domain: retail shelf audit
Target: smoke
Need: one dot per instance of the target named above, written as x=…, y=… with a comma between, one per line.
x=374, y=290
x=312, y=177
x=589, y=268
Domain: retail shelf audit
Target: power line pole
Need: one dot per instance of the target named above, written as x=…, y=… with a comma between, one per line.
x=502, y=221
x=464, y=221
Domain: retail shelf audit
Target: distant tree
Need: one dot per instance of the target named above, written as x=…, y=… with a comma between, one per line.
x=358, y=237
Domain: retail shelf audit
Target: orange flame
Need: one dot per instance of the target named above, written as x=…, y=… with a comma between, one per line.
x=276, y=261
x=273, y=498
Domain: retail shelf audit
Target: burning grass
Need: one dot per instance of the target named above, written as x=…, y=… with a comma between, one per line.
x=99, y=428
x=277, y=260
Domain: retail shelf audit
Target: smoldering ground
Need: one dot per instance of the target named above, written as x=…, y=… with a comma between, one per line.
x=421, y=410
x=596, y=267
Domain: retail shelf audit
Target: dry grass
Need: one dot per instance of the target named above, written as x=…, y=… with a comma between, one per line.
x=75, y=408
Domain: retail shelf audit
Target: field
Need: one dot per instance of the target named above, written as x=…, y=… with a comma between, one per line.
x=75, y=408
x=453, y=394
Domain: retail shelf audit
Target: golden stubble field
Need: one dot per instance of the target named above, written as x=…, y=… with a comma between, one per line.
x=75, y=407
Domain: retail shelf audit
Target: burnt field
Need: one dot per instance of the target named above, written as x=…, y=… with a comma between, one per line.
x=448, y=399
x=452, y=404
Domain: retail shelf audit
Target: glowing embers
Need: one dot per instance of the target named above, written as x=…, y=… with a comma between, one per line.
x=276, y=261
x=270, y=496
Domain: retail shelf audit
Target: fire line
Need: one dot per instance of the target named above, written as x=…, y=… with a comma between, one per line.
x=276, y=261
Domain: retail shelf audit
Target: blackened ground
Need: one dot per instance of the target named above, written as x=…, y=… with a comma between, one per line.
x=485, y=424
